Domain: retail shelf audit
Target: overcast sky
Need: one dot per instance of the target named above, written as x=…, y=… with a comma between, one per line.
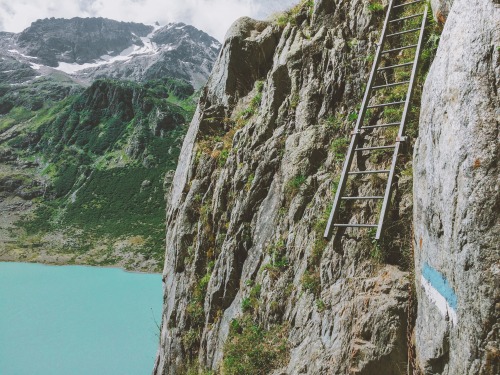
x=212, y=16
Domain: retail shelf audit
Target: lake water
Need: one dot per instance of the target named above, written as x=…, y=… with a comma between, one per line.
x=72, y=320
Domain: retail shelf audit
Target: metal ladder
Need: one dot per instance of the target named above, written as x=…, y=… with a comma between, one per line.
x=357, y=138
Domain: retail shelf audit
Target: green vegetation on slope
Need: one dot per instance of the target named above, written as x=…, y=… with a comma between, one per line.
x=250, y=349
x=105, y=152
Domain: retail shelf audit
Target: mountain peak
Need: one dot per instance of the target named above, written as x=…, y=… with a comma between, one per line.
x=90, y=48
x=78, y=40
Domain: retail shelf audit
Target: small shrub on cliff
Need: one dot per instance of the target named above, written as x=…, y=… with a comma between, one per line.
x=320, y=224
x=290, y=16
x=320, y=305
x=277, y=265
x=249, y=182
x=255, y=291
x=352, y=43
x=222, y=159
x=251, y=302
x=190, y=338
x=294, y=101
x=196, y=312
x=203, y=283
x=334, y=122
x=375, y=6
x=339, y=148
x=250, y=349
x=254, y=102
x=257, y=99
x=246, y=304
x=318, y=250
x=195, y=369
x=311, y=281
x=353, y=116
x=279, y=262
x=376, y=251
x=294, y=185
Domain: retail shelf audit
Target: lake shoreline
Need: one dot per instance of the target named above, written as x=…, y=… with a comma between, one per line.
x=4, y=259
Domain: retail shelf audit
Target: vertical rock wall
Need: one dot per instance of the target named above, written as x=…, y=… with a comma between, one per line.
x=247, y=211
x=456, y=198
x=256, y=177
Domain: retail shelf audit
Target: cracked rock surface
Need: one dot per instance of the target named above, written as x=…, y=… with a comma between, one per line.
x=256, y=216
x=456, y=185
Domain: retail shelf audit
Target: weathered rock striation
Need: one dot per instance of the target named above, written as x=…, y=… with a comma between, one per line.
x=456, y=189
x=248, y=276
x=246, y=212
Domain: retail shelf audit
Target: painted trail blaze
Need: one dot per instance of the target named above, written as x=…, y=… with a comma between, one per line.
x=440, y=292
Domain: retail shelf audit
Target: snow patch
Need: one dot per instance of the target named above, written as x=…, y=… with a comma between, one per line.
x=168, y=47
x=19, y=53
x=149, y=48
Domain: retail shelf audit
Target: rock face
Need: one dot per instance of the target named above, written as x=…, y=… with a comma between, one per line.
x=247, y=210
x=176, y=50
x=441, y=9
x=79, y=40
x=90, y=48
x=457, y=226
x=13, y=71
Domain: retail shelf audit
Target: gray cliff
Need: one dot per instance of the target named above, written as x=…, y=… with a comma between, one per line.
x=250, y=284
x=456, y=185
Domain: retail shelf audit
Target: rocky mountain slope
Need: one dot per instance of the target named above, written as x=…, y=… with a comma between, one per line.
x=251, y=286
x=457, y=204
x=91, y=48
x=90, y=171
x=78, y=40
x=176, y=50
x=84, y=152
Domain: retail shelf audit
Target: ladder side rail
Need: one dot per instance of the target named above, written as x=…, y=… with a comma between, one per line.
x=356, y=132
x=388, y=190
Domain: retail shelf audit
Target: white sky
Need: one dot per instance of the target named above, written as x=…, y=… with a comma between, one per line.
x=211, y=16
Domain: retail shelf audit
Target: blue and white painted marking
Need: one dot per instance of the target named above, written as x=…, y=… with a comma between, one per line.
x=440, y=292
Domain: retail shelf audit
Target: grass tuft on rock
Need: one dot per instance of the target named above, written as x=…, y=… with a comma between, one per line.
x=251, y=349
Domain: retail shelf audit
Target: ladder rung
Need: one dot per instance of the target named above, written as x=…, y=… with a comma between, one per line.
x=381, y=125
x=405, y=4
x=385, y=104
x=370, y=172
x=355, y=225
x=407, y=18
x=356, y=198
x=404, y=32
x=390, y=85
x=400, y=48
x=375, y=148
x=395, y=66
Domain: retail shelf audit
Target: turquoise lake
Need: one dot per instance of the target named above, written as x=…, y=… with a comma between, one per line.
x=72, y=320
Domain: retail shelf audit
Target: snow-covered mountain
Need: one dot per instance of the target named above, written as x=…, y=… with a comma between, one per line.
x=91, y=48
